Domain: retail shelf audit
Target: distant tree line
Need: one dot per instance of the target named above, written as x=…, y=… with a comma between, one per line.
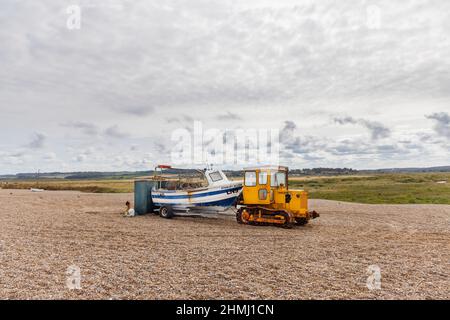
x=229, y=173
x=106, y=175
x=322, y=172
x=305, y=172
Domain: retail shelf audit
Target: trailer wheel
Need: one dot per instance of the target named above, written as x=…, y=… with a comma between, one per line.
x=166, y=212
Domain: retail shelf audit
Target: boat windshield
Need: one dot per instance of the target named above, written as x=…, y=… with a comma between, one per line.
x=215, y=176
x=180, y=180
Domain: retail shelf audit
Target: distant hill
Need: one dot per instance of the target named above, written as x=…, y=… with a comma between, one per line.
x=231, y=173
x=78, y=175
x=408, y=170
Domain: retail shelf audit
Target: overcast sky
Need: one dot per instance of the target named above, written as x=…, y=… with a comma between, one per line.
x=362, y=84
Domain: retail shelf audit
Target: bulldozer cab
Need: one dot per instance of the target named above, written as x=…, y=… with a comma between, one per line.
x=267, y=199
x=263, y=185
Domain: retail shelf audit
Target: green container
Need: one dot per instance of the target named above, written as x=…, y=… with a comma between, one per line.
x=142, y=196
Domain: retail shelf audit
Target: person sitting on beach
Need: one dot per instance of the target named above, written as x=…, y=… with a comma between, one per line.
x=129, y=212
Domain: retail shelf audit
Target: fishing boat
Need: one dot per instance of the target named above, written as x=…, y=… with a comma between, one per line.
x=212, y=191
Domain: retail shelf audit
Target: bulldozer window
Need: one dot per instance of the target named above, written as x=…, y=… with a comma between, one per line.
x=262, y=194
x=262, y=178
x=250, y=179
x=277, y=179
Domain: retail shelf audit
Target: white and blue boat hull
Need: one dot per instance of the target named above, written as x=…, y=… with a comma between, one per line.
x=221, y=197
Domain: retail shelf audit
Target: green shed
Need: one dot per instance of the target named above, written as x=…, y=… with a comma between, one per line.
x=142, y=196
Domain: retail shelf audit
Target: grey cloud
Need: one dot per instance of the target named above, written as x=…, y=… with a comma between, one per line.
x=87, y=128
x=287, y=133
x=360, y=147
x=426, y=138
x=172, y=120
x=85, y=154
x=137, y=110
x=442, y=123
x=345, y=120
x=207, y=143
x=80, y=158
x=197, y=55
x=289, y=125
x=313, y=149
x=38, y=141
x=389, y=149
x=16, y=154
x=305, y=146
x=89, y=151
x=185, y=63
x=182, y=119
x=228, y=116
x=187, y=118
x=413, y=145
x=115, y=132
x=376, y=129
x=161, y=147
x=49, y=156
x=349, y=147
x=312, y=157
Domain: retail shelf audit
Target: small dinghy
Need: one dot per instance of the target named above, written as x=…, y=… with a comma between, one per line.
x=212, y=192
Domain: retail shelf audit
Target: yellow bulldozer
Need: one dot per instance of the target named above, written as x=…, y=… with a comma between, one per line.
x=267, y=200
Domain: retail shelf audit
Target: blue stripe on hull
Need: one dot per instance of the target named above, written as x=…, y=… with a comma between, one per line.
x=219, y=203
x=198, y=195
